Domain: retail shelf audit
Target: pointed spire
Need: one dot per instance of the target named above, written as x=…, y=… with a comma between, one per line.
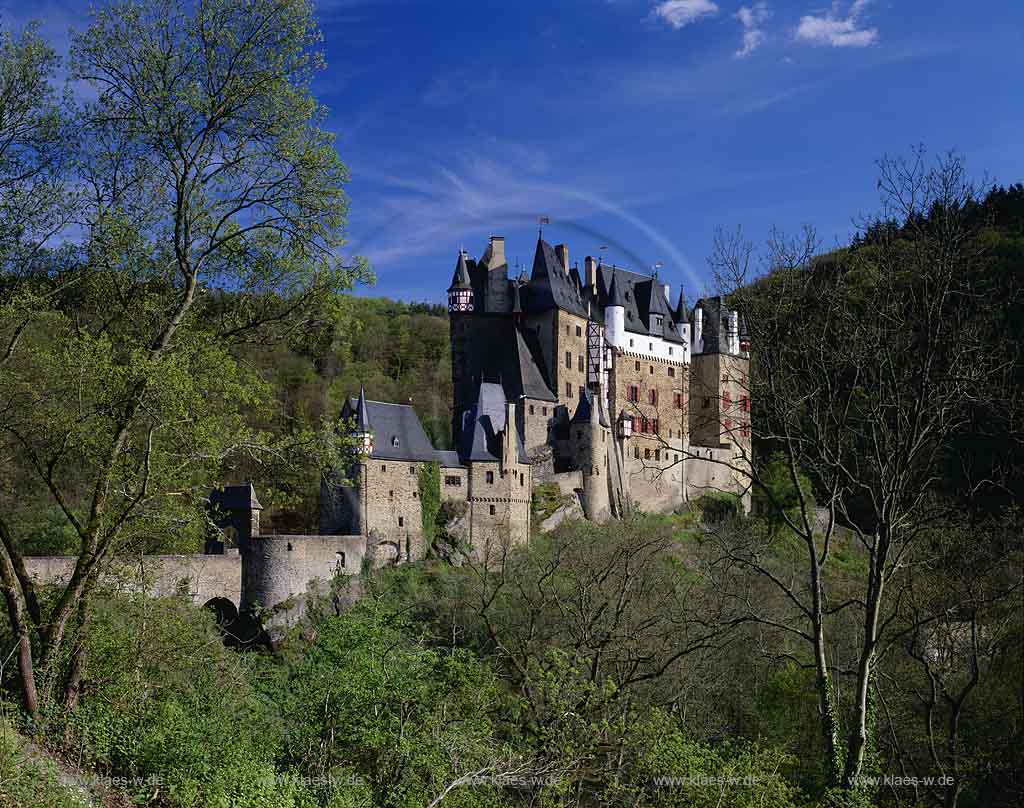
x=460, y=278
x=615, y=294
x=680, y=313
x=362, y=414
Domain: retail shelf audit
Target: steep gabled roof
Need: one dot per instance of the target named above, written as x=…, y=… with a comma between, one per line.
x=641, y=296
x=397, y=431
x=550, y=287
x=235, y=498
x=460, y=278
x=499, y=353
x=585, y=410
x=483, y=425
x=680, y=312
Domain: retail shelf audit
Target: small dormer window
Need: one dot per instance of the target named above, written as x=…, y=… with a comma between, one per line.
x=394, y=441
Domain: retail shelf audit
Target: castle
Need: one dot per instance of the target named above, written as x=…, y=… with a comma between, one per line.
x=594, y=381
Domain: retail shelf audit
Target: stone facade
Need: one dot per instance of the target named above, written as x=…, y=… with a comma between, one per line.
x=608, y=341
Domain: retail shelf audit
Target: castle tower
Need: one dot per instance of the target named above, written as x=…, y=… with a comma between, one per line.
x=615, y=316
x=461, y=305
x=591, y=438
x=236, y=509
x=719, y=413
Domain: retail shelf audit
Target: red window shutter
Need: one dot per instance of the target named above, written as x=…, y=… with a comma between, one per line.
x=726, y=398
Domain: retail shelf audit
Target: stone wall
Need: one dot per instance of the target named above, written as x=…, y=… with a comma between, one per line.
x=393, y=513
x=652, y=468
x=276, y=569
x=201, y=577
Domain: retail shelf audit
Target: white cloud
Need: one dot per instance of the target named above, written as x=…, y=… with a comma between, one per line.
x=833, y=29
x=751, y=18
x=678, y=13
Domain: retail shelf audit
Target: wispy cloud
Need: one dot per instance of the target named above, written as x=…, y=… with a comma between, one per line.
x=831, y=28
x=679, y=13
x=751, y=18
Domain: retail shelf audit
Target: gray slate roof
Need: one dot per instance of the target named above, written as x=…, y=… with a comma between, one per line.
x=642, y=297
x=549, y=286
x=716, y=324
x=235, y=497
x=482, y=425
x=397, y=431
x=499, y=353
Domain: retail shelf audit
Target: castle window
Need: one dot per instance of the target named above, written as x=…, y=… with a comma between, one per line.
x=726, y=399
x=581, y=391
x=671, y=371
x=522, y=479
x=657, y=454
x=745, y=430
x=568, y=390
x=636, y=452
x=391, y=494
x=490, y=509
x=490, y=478
x=728, y=423
x=647, y=454
x=566, y=329
x=383, y=467
x=579, y=362
x=745, y=404
x=631, y=345
x=579, y=331
x=412, y=469
x=654, y=426
x=394, y=441
x=543, y=410
x=677, y=400
x=638, y=366
x=401, y=521
x=653, y=396
x=531, y=409
x=705, y=403
x=341, y=559
x=652, y=370
x=670, y=352
x=453, y=480
x=650, y=346
x=677, y=457
x=568, y=360
x=645, y=424
x=633, y=393
x=290, y=548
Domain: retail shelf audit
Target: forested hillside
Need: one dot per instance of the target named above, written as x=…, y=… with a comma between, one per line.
x=857, y=640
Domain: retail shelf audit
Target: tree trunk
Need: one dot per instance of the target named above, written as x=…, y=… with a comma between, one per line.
x=18, y=613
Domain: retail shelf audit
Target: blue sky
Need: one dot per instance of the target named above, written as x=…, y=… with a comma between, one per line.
x=642, y=125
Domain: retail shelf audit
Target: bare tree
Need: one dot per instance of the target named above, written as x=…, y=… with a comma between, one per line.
x=865, y=363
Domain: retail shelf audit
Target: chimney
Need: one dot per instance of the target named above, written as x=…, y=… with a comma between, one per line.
x=562, y=251
x=497, y=251
x=668, y=294
x=590, y=272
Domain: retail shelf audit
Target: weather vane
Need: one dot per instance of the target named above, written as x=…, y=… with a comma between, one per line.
x=543, y=220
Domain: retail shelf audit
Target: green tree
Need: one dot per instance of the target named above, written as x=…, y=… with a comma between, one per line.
x=206, y=170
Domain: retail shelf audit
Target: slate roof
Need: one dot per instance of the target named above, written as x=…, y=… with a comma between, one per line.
x=642, y=297
x=460, y=278
x=499, y=353
x=397, y=431
x=235, y=497
x=715, y=324
x=482, y=425
x=585, y=408
x=549, y=286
